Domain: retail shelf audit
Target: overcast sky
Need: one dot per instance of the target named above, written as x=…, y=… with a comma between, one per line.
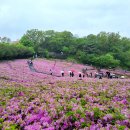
x=81, y=17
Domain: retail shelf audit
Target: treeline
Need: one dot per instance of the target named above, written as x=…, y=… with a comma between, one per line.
x=14, y=51
x=102, y=50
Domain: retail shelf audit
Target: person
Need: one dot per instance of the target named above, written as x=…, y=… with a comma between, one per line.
x=62, y=73
x=80, y=75
x=31, y=63
x=35, y=55
x=100, y=77
x=87, y=75
x=91, y=74
x=95, y=74
x=72, y=73
x=108, y=74
x=61, y=53
x=50, y=72
x=83, y=75
x=28, y=62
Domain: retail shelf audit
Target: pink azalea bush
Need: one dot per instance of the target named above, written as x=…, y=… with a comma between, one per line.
x=36, y=101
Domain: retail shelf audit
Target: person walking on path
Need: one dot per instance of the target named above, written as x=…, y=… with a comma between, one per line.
x=91, y=75
x=50, y=72
x=62, y=73
x=70, y=73
x=108, y=74
x=80, y=75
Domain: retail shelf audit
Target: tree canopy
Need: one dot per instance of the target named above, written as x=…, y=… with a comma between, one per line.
x=102, y=50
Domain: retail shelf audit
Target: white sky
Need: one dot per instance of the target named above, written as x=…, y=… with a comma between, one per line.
x=81, y=17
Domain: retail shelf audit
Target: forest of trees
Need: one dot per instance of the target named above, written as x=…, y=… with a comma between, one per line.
x=102, y=50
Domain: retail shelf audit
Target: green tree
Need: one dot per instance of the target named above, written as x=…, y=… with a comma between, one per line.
x=33, y=38
x=106, y=61
x=13, y=51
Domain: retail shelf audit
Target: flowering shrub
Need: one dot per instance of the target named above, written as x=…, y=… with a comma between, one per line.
x=43, y=102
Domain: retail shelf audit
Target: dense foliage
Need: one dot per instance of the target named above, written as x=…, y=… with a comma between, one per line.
x=102, y=50
x=14, y=51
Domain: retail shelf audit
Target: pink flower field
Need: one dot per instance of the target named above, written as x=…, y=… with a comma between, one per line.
x=18, y=71
x=32, y=99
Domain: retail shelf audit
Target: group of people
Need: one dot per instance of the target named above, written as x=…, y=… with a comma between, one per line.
x=99, y=75
x=106, y=74
x=72, y=74
x=82, y=74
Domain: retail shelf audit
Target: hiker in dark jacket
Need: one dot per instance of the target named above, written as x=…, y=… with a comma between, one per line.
x=62, y=73
x=80, y=75
x=72, y=74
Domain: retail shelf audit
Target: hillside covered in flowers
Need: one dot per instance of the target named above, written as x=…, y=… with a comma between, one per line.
x=36, y=100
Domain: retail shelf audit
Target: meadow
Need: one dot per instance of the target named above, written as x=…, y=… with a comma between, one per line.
x=39, y=101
